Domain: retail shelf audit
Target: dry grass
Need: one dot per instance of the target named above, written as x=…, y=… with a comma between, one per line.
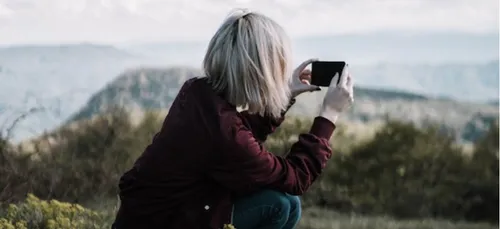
x=318, y=218
x=315, y=218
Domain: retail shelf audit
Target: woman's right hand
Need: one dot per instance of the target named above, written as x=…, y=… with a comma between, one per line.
x=339, y=96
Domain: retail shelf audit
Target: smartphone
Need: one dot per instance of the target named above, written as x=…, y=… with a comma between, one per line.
x=322, y=72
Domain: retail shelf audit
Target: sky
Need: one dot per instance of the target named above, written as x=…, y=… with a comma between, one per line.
x=121, y=21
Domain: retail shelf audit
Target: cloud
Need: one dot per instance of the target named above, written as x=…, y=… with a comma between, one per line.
x=5, y=11
x=39, y=21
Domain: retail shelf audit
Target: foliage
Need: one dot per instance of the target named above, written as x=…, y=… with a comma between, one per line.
x=40, y=214
x=84, y=163
x=408, y=172
x=34, y=213
x=403, y=171
x=484, y=180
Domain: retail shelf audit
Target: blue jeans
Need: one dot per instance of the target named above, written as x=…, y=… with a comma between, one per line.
x=267, y=210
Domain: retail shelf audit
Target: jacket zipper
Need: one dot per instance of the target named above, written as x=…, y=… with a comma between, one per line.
x=232, y=213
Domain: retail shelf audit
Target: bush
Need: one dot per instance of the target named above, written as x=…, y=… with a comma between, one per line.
x=402, y=171
x=34, y=213
x=414, y=173
x=483, y=193
x=83, y=164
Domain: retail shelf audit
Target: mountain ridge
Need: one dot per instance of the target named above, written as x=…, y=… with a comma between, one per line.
x=63, y=79
x=145, y=89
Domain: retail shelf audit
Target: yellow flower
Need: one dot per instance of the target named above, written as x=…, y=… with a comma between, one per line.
x=51, y=224
x=6, y=224
x=79, y=208
x=32, y=197
x=51, y=214
x=21, y=225
x=228, y=226
x=12, y=211
x=64, y=222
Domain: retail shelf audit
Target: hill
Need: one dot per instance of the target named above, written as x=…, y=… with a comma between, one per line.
x=62, y=78
x=465, y=81
x=59, y=78
x=155, y=88
x=395, y=47
x=138, y=89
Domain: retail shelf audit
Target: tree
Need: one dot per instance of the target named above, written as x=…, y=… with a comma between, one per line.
x=483, y=193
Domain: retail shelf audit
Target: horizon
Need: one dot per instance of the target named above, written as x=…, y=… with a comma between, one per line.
x=438, y=49
x=365, y=48
x=389, y=33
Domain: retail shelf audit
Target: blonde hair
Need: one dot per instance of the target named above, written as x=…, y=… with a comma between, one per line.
x=248, y=60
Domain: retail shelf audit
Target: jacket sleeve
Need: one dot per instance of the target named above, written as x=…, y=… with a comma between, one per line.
x=262, y=126
x=245, y=166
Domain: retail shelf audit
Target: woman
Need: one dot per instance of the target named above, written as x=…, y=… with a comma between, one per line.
x=206, y=167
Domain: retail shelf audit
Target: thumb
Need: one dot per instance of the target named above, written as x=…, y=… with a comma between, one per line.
x=308, y=88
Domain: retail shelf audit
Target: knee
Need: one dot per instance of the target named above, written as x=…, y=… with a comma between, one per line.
x=279, y=200
x=295, y=208
x=295, y=202
x=287, y=208
x=287, y=204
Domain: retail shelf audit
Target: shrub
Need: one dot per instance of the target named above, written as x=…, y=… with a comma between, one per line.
x=85, y=161
x=402, y=171
x=34, y=213
x=484, y=165
x=413, y=173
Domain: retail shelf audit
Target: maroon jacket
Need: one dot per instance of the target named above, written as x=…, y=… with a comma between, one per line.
x=205, y=154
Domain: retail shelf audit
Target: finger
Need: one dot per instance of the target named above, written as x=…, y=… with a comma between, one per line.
x=334, y=81
x=306, y=72
x=304, y=64
x=343, y=77
x=350, y=83
x=305, y=76
x=306, y=82
x=349, y=80
x=308, y=88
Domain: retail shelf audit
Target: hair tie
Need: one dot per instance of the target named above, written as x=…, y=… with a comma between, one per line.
x=240, y=13
x=245, y=13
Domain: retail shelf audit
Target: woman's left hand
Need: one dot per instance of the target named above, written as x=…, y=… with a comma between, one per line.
x=301, y=79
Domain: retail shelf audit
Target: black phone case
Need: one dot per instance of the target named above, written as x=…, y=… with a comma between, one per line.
x=323, y=72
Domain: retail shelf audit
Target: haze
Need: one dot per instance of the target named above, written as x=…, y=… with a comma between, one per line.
x=125, y=21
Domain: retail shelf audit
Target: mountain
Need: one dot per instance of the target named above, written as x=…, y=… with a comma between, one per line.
x=51, y=71
x=394, y=47
x=59, y=78
x=143, y=88
x=154, y=88
x=494, y=102
x=402, y=47
x=445, y=64
x=62, y=78
x=469, y=82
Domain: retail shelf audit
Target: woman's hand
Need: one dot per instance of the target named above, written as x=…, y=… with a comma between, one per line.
x=339, y=97
x=301, y=79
